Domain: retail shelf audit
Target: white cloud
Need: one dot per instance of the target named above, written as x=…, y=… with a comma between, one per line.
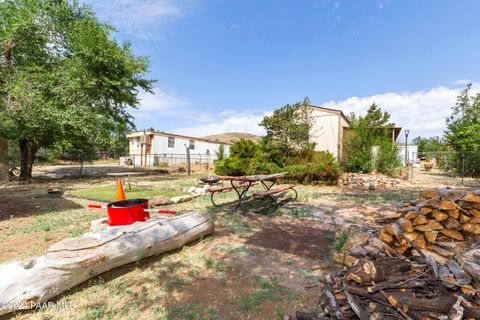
x=422, y=112
x=163, y=102
x=227, y=121
x=142, y=18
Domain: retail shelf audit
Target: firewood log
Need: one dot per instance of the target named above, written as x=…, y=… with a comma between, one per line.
x=411, y=235
x=461, y=277
x=439, y=216
x=453, y=224
x=406, y=225
x=420, y=220
x=475, y=212
x=447, y=278
x=434, y=225
x=431, y=236
x=420, y=241
x=464, y=218
x=423, y=228
x=425, y=210
x=472, y=197
x=367, y=271
x=429, y=194
x=452, y=234
x=472, y=228
x=447, y=205
x=410, y=215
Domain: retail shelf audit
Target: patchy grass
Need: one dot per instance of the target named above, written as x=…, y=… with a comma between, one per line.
x=195, y=282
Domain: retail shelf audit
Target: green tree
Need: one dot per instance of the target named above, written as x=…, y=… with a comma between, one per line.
x=463, y=130
x=430, y=144
x=288, y=128
x=373, y=129
x=64, y=82
x=220, y=153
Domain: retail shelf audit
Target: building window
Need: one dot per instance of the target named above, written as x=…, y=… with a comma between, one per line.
x=191, y=145
x=171, y=142
x=138, y=142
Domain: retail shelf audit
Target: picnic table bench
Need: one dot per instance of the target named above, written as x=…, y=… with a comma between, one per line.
x=241, y=185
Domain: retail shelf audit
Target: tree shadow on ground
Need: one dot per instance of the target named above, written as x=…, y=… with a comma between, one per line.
x=29, y=203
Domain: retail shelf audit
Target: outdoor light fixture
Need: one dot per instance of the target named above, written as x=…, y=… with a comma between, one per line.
x=406, y=147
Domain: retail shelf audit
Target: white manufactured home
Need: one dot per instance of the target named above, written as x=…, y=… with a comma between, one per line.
x=147, y=148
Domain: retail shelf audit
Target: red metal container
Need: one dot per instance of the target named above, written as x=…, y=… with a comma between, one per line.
x=126, y=212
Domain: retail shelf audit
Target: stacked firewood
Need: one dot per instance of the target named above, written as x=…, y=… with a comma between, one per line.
x=443, y=216
x=383, y=287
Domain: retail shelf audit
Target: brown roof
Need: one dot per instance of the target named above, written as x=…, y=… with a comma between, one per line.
x=335, y=111
x=135, y=134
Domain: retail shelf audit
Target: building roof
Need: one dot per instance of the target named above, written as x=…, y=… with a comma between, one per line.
x=334, y=111
x=136, y=134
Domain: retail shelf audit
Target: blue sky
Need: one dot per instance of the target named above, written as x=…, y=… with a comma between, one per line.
x=222, y=65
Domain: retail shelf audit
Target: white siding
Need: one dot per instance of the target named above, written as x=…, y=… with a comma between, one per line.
x=160, y=152
x=327, y=131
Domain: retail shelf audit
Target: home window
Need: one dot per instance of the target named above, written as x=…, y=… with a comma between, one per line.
x=171, y=142
x=191, y=144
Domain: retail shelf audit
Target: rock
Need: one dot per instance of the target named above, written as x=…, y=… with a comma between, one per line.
x=369, y=181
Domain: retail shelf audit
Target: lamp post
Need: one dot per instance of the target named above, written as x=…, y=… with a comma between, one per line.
x=406, y=147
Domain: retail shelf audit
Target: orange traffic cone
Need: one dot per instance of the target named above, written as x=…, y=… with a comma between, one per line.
x=119, y=193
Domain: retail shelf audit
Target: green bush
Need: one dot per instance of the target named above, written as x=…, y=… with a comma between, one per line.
x=318, y=167
x=324, y=168
x=233, y=166
x=388, y=160
x=243, y=148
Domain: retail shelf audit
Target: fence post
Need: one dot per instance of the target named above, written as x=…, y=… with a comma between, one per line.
x=463, y=166
x=188, y=159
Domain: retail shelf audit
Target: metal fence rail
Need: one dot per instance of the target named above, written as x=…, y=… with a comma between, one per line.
x=167, y=160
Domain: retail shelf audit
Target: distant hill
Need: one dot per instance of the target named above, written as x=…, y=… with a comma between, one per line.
x=230, y=137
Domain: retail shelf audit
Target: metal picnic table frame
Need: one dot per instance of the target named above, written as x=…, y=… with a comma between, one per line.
x=245, y=182
x=124, y=175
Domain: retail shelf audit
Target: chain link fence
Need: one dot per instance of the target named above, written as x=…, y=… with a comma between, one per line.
x=446, y=168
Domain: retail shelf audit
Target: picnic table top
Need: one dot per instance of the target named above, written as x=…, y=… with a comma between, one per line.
x=119, y=174
x=253, y=178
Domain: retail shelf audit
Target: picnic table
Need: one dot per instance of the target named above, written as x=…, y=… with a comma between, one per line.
x=124, y=176
x=241, y=185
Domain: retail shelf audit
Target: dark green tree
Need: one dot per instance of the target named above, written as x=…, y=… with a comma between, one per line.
x=463, y=131
x=64, y=82
x=288, y=128
x=373, y=129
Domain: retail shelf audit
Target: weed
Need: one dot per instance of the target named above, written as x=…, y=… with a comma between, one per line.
x=240, y=250
x=176, y=283
x=341, y=239
x=213, y=314
x=266, y=291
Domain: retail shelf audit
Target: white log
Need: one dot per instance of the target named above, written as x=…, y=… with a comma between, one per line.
x=26, y=284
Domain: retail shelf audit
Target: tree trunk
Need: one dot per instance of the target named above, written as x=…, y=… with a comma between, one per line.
x=27, y=284
x=28, y=150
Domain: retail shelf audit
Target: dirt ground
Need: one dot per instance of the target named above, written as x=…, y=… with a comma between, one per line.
x=254, y=266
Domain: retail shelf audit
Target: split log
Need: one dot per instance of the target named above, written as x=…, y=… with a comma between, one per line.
x=472, y=197
x=452, y=234
x=25, y=284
